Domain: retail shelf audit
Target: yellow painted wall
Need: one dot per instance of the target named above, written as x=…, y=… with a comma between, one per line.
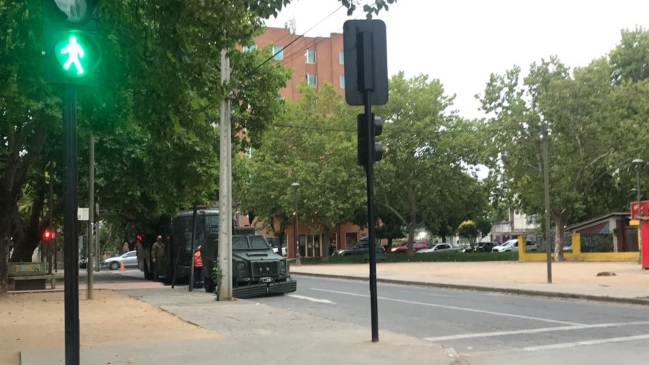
x=576, y=254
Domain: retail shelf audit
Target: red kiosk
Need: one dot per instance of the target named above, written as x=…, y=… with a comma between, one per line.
x=642, y=220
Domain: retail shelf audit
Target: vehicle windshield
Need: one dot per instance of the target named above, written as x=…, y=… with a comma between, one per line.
x=256, y=243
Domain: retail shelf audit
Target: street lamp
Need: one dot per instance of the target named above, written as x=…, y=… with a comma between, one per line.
x=295, y=227
x=637, y=163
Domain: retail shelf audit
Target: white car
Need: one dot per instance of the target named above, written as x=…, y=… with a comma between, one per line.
x=440, y=247
x=113, y=263
x=512, y=246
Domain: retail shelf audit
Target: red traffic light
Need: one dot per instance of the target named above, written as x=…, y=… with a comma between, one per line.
x=139, y=237
x=48, y=235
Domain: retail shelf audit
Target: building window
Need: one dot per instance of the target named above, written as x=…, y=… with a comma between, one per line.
x=249, y=48
x=312, y=79
x=309, y=56
x=278, y=52
x=341, y=57
x=342, y=81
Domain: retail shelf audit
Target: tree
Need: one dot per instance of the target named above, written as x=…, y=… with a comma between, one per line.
x=313, y=146
x=483, y=225
x=420, y=173
x=468, y=230
x=630, y=58
x=576, y=108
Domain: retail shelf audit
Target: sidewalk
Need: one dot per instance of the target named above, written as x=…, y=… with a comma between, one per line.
x=577, y=280
x=253, y=333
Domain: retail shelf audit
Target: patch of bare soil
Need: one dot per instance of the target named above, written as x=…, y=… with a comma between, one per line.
x=36, y=321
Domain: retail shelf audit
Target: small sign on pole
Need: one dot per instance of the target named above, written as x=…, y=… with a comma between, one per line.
x=83, y=214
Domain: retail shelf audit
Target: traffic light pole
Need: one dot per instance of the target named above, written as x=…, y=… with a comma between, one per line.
x=70, y=243
x=90, y=251
x=371, y=219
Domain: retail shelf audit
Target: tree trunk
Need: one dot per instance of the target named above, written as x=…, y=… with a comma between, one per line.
x=4, y=263
x=326, y=244
x=558, y=239
x=4, y=253
x=411, y=239
x=389, y=247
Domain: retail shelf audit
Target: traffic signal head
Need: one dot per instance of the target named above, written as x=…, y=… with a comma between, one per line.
x=139, y=237
x=375, y=129
x=72, y=52
x=48, y=235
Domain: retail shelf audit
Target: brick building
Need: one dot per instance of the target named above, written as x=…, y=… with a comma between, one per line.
x=317, y=60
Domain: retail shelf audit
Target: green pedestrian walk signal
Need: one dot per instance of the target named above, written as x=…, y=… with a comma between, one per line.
x=72, y=52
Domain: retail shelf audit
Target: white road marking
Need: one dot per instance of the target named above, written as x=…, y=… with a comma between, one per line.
x=586, y=343
x=314, y=300
x=535, y=330
x=454, y=308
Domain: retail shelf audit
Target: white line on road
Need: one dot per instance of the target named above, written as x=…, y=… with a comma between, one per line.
x=535, y=330
x=586, y=343
x=314, y=300
x=453, y=307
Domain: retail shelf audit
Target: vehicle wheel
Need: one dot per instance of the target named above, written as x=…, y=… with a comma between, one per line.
x=209, y=285
x=148, y=273
x=114, y=265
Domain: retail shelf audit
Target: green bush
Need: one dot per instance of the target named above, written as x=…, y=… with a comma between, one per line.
x=422, y=257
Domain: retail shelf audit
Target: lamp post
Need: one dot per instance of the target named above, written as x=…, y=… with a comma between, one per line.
x=295, y=227
x=637, y=163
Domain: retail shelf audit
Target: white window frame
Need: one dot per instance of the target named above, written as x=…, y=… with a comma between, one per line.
x=342, y=81
x=306, y=56
x=278, y=53
x=341, y=57
x=315, y=79
x=250, y=48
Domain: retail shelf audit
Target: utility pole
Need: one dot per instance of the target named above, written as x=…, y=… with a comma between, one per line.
x=52, y=244
x=91, y=217
x=97, y=242
x=546, y=188
x=224, y=259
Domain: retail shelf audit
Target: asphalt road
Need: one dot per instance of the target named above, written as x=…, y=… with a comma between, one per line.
x=485, y=328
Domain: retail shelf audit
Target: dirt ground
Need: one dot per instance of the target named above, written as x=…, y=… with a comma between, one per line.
x=35, y=321
x=628, y=274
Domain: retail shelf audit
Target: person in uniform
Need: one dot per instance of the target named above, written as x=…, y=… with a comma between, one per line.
x=159, y=258
x=198, y=268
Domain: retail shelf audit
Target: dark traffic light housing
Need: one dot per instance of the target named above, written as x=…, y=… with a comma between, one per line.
x=70, y=47
x=364, y=133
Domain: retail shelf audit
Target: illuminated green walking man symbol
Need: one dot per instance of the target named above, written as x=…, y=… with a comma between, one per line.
x=74, y=52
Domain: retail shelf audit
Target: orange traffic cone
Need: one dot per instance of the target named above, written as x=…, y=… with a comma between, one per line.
x=121, y=266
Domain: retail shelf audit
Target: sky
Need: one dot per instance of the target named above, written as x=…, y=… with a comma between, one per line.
x=462, y=42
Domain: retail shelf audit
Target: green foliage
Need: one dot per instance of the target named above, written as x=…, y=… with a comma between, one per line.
x=419, y=177
x=217, y=277
x=469, y=230
x=630, y=58
x=483, y=225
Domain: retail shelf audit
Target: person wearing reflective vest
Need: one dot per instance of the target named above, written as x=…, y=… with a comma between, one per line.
x=198, y=268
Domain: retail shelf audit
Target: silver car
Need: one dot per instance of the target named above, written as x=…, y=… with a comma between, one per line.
x=129, y=259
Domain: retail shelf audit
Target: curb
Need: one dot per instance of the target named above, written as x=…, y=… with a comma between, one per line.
x=527, y=292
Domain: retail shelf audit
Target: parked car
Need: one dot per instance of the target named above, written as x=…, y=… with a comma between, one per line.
x=359, y=248
x=416, y=246
x=481, y=247
x=129, y=259
x=83, y=262
x=440, y=247
x=512, y=246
